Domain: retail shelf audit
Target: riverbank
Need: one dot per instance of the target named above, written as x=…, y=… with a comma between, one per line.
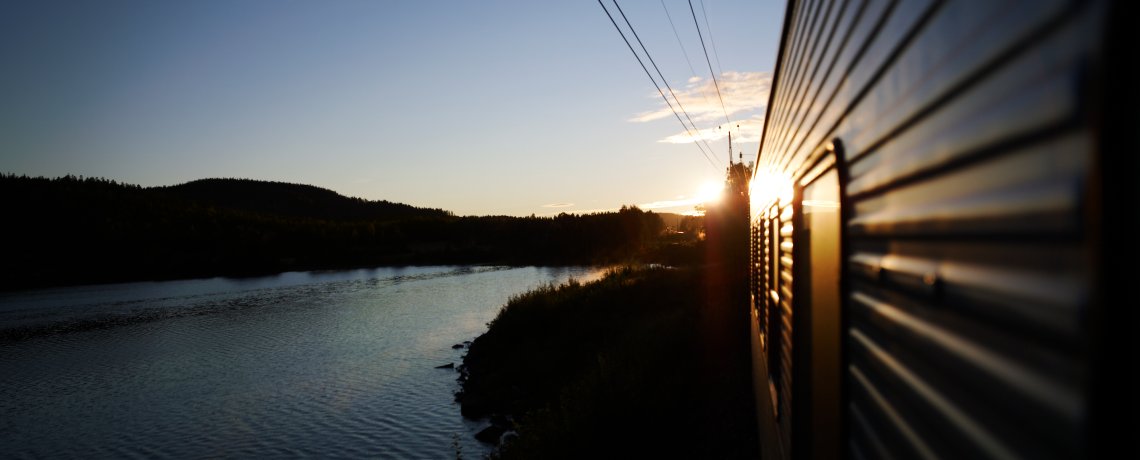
x=628, y=366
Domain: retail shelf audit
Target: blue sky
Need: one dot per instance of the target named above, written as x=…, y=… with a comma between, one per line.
x=493, y=107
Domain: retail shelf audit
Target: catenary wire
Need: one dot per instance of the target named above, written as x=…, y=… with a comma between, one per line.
x=712, y=40
x=659, y=91
x=704, y=93
x=703, y=48
x=662, y=76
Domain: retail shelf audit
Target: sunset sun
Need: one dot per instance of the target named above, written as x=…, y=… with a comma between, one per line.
x=710, y=192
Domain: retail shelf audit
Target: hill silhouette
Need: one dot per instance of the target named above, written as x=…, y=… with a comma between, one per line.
x=73, y=230
x=294, y=200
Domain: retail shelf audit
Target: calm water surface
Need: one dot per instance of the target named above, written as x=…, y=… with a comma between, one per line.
x=322, y=364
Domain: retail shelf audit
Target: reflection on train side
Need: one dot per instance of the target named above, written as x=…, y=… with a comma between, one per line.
x=929, y=270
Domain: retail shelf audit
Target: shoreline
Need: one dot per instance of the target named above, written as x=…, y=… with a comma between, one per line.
x=620, y=365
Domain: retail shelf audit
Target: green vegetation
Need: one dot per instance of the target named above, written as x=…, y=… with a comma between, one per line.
x=619, y=368
x=72, y=230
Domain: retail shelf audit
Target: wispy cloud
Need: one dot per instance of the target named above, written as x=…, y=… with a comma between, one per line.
x=558, y=205
x=745, y=95
x=748, y=130
x=741, y=91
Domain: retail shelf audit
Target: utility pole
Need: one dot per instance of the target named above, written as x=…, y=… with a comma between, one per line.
x=730, y=148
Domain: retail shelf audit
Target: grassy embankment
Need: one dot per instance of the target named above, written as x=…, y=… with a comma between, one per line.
x=623, y=367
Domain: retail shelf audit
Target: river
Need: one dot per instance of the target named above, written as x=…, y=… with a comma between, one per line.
x=331, y=364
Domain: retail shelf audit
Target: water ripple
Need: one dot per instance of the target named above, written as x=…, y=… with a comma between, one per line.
x=320, y=364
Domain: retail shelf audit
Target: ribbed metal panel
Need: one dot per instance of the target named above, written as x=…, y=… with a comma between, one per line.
x=968, y=152
x=970, y=267
x=766, y=285
x=786, y=285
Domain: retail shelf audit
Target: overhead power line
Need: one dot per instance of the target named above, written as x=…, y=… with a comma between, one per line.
x=659, y=91
x=704, y=94
x=712, y=40
x=705, y=49
x=662, y=76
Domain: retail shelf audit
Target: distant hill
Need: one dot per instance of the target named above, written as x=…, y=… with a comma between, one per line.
x=291, y=200
x=71, y=230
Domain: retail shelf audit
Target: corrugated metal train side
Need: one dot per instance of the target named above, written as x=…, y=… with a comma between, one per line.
x=939, y=198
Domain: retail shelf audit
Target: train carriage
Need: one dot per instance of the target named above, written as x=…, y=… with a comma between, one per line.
x=942, y=200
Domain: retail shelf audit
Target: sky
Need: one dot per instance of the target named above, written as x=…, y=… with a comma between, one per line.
x=480, y=108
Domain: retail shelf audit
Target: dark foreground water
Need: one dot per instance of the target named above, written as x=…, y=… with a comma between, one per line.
x=315, y=364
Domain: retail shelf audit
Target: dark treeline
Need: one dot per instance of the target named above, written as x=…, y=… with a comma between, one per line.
x=72, y=230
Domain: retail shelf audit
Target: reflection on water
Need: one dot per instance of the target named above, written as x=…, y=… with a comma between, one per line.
x=330, y=364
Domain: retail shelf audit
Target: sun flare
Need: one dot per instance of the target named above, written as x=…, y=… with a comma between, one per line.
x=710, y=192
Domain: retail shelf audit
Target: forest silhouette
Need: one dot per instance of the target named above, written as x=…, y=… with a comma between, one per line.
x=76, y=230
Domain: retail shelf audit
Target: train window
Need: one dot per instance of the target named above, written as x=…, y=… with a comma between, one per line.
x=775, y=331
x=772, y=193
x=769, y=277
x=765, y=274
x=818, y=312
x=756, y=287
